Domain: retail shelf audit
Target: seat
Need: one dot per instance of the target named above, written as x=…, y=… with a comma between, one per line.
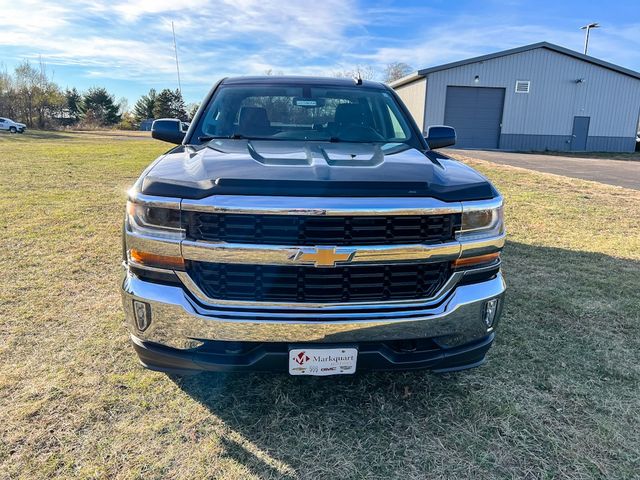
x=348, y=116
x=254, y=121
x=351, y=114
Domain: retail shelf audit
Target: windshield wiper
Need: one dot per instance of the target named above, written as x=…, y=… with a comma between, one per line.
x=235, y=136
x=342, y=140
x=208, y=138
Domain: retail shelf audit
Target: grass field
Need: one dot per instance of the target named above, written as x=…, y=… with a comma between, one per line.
x=559, y=397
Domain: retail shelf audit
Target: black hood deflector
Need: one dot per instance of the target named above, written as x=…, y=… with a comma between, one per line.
x=317, y=169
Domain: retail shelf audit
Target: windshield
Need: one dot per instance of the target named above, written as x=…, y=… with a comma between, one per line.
x=320, y=113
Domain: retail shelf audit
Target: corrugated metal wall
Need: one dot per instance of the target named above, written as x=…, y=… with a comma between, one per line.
x=413, y=96
x=610, y=99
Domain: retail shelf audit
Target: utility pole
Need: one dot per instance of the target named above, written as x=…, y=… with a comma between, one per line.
x=586, y=36
x=175, y=49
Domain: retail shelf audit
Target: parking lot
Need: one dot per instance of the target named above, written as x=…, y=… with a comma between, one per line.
x=557, y=398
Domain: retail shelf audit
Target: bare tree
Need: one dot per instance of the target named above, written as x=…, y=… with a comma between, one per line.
x=396, y=70
x=192, y=108
x=7, y=94
x=36, y=98
x=123, y=105
x=365, y=72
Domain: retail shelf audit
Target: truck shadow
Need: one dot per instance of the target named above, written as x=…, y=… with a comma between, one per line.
x=378, y=425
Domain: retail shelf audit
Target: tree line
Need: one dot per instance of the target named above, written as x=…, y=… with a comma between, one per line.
x=29, y=95
x=166, y=104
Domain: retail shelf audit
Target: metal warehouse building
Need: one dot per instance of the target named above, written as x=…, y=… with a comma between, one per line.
x=536, y=97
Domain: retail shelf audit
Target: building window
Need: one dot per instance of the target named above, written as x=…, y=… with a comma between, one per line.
x=522, y=86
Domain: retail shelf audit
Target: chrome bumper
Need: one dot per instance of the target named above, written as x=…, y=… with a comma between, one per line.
x=180, y=322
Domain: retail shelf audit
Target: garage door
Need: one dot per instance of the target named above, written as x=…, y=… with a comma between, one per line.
x=476, y=114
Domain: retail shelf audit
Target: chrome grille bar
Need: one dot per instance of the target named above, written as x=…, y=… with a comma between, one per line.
x=274, y=205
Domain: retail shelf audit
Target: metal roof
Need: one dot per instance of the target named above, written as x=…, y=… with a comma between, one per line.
x=549, y=46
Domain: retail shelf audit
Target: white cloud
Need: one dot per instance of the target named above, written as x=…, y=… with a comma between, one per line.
x=131, y=39
x=467, y=37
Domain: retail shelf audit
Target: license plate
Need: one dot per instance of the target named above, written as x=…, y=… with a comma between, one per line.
x=322, y=361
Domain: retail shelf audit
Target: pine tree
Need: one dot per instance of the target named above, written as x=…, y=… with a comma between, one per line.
x=162, y=107
x=170, y=104
x=99, y=107
x=74, y=103
x=178, y=106
x=145, y=106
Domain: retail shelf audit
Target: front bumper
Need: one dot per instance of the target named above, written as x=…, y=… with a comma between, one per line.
x=273, y=357
x=181, y=331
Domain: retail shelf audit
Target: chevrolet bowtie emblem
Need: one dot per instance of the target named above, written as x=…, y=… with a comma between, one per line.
x=321, y=256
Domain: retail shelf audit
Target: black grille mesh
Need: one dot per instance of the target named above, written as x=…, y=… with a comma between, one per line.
x=317, y=230
x=309, y=284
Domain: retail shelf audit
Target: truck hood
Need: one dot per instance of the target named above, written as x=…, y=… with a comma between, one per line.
x=297, y=168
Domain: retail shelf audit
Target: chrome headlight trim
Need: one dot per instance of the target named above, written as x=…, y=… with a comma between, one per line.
x=482, y=219
x=155, y=219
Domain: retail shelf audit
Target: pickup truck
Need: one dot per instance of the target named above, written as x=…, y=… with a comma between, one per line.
x=11, y=126
x=307, y=225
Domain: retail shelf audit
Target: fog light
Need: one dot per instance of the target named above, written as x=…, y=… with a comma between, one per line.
x=142, y=314
x=490, y=310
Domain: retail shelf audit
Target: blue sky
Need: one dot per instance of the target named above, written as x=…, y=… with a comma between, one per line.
x=126, y=45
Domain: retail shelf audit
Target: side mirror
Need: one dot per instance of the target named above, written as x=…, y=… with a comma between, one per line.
x=168, y=130
x=440, y=136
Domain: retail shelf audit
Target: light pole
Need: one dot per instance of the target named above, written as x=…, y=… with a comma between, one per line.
x=586, y=36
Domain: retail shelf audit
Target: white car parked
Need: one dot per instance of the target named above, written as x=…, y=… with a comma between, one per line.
x=11, y=126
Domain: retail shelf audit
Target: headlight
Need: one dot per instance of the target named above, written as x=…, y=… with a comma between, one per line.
x=478, y=223
x=154, y=221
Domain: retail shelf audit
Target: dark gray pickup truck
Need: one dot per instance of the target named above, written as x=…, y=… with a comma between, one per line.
x=306, y=225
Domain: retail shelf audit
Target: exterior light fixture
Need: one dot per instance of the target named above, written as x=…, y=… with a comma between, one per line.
x=476, y=79
x=490, y=310
x=142, y=314
x=586, y=28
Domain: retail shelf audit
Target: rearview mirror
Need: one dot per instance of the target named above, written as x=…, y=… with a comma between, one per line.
x=440, y=136
x=168, y=130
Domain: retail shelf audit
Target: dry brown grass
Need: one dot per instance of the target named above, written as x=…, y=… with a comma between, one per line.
x=558, y=398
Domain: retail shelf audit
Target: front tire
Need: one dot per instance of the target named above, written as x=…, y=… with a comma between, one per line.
x=13, y=129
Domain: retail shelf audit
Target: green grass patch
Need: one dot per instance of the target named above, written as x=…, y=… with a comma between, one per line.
x=558, y=398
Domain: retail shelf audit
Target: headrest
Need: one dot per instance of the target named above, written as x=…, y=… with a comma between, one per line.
x=252, y=118
x=351, y=113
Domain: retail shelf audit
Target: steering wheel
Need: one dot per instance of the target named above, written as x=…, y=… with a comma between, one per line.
x=359, y=133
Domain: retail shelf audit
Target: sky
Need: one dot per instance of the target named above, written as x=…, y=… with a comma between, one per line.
x=127, y=45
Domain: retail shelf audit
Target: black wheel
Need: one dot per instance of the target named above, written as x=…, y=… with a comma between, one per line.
x=13, y=129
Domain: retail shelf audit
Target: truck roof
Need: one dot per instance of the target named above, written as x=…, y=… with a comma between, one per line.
x=300, y=80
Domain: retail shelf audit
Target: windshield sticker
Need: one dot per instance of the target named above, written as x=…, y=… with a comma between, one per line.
x=306, y=103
